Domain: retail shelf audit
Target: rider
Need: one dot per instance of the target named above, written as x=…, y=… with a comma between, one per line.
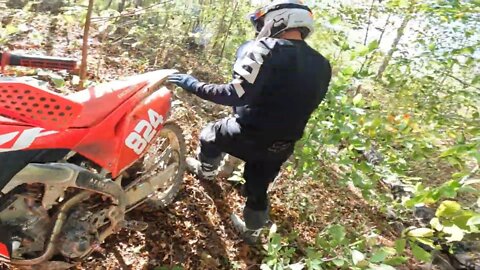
x=278, y=82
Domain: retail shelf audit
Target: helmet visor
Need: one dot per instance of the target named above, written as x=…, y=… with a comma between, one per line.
x=257, y=18
x=259, y=13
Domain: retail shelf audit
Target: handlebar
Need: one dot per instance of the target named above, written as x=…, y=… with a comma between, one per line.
x=47, y=62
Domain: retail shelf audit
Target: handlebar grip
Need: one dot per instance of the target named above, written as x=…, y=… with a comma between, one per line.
x=46, y=62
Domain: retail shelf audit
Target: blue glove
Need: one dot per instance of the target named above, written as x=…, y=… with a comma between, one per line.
x=185, y=81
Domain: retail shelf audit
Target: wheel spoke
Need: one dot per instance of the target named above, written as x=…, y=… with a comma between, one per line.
x=161, y=169
x=162, y=179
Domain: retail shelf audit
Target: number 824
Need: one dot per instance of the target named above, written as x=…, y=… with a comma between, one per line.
x=144, y=132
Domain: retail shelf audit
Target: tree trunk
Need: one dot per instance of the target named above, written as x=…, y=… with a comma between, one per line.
x=388, y=57
x=221, y=26
x=109, y=4
x=368, y=59
x=370, y=13
x=83, y=67
x=121, y=6
x=227, y=34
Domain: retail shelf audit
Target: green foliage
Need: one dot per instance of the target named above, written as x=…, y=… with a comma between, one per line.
x=333, y=249
x=419, y=126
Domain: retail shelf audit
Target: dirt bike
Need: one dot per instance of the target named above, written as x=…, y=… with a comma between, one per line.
x=72, y=166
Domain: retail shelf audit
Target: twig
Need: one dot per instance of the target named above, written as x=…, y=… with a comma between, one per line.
x=121, y=261
x=369, y=22
x=461, y=81
x=205, y=194
x=83, y=67
x=137, y=12
x=393, y=49
x=368, y=59
x=228, y=32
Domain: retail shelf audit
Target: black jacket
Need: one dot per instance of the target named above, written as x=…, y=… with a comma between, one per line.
x=276, y=86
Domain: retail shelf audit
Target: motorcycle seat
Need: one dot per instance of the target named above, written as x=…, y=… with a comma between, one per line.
x=100, y=100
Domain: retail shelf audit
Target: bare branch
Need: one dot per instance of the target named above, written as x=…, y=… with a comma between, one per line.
x=83, y=67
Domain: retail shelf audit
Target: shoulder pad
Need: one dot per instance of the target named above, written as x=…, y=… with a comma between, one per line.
x=241, y=51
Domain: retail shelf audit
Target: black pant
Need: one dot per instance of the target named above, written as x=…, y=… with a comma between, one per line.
x=263, y=156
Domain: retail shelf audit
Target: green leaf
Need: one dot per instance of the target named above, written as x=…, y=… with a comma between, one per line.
x=448, y=208
x=11, y=29
x=420, y=254
x=461, y=219
x=315, y=264
x=373, y=45
x=69, y=19
x=379, y=256
x=339, y=262
x=426, y=241
x=58, y=82
x=400, y=245
x=335, y=20
x=357, y=99
x=396, y=261
x=456, y=233
x=348, y=71
x=456, y=150
x=357, y=257
x=361, y=51
x=337, y=232
x=403, y=3
x=476, y=80
x=421, y=232
x=435, y=223
x=447, y=190
x=398, y=3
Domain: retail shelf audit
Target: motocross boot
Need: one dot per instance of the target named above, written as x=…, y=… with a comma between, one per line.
x=203, y=167
x=251, y=229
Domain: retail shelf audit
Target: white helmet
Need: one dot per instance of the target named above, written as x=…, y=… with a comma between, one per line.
x=281, y=15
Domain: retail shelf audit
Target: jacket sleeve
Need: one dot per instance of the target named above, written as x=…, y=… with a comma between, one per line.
x=251, y=71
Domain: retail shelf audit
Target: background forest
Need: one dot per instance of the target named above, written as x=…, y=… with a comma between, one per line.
x=387, y=174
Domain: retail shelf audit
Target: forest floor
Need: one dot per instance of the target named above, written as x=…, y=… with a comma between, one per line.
x=195, y=231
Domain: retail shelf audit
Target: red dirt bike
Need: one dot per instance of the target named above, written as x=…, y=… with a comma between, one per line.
x=72, y=166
